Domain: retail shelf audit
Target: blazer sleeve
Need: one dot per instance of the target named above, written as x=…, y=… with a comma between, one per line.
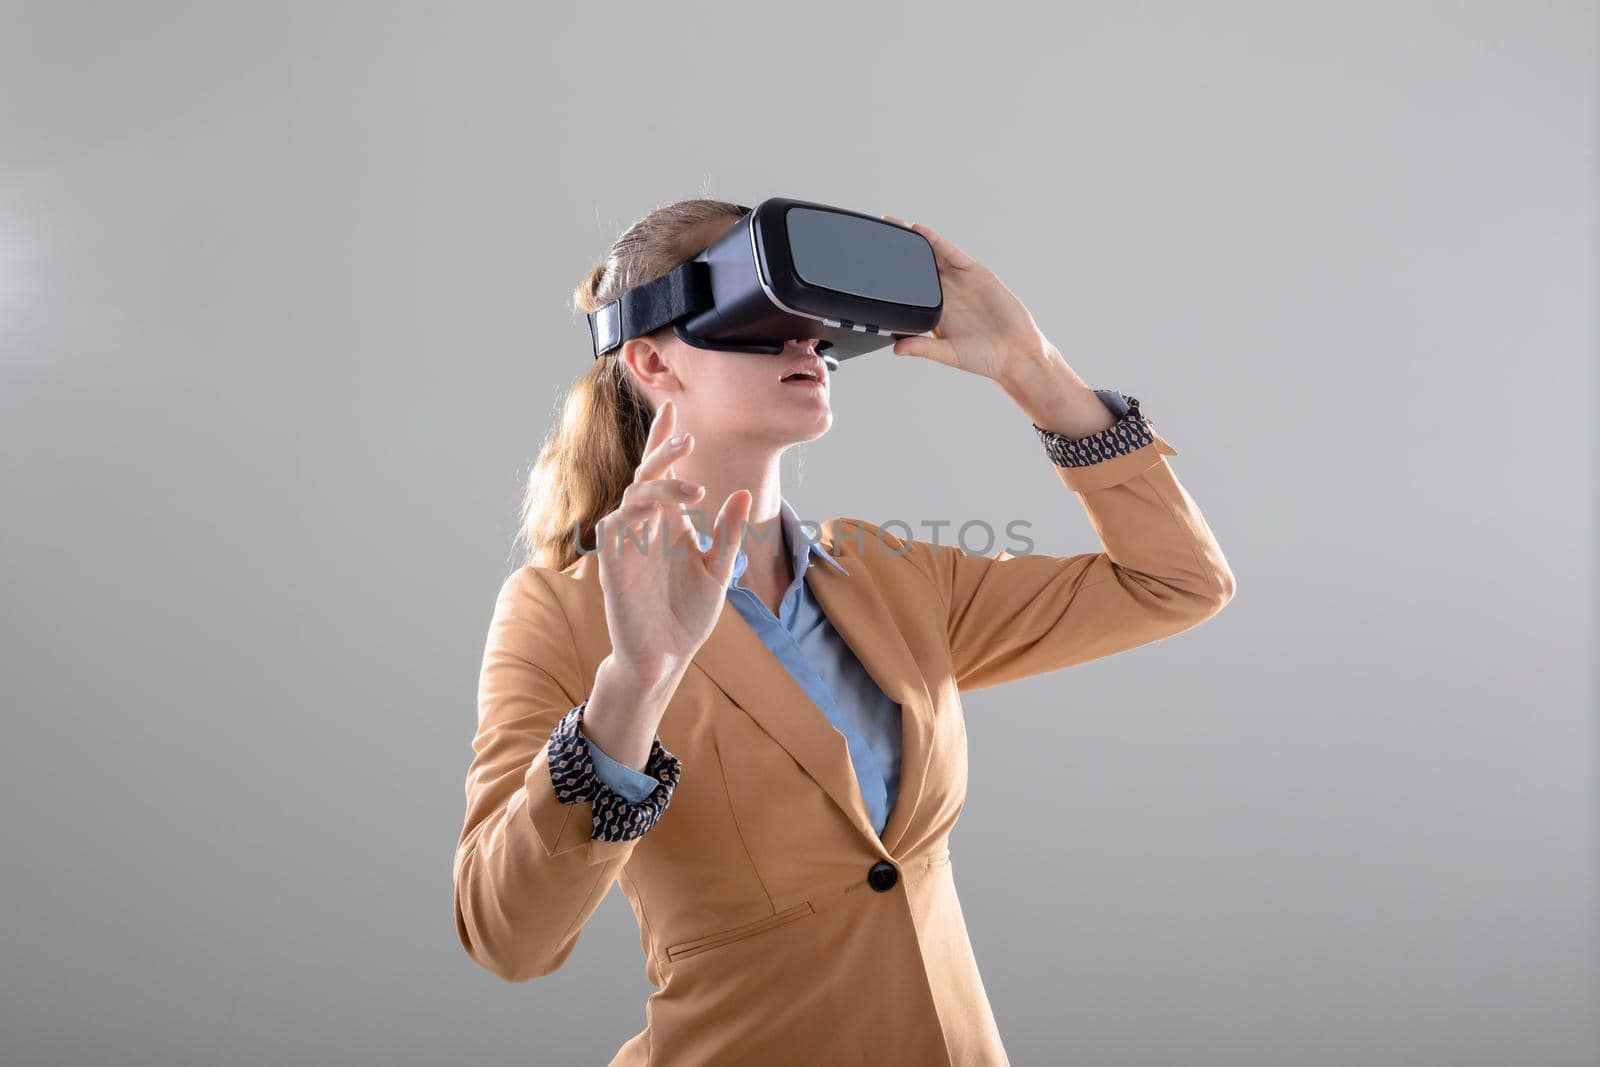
x=1160, y=570
x=544, y=837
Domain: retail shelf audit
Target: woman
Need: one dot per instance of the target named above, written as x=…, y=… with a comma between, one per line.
x=774, y=786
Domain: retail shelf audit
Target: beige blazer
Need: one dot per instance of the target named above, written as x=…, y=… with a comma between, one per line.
x=763, y=936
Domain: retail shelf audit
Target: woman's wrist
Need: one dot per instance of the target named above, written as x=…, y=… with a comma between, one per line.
x=625, y=709
x=1052, y=394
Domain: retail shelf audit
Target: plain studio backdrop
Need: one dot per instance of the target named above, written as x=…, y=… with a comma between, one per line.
x=284, y=317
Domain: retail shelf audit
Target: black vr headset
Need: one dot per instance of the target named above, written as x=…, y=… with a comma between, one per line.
x=788, y=269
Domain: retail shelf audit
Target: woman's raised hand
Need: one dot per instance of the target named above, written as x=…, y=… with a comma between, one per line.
x=983, y=328
x=663, y=594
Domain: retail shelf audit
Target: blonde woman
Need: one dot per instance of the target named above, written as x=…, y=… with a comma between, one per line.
x=775, y=785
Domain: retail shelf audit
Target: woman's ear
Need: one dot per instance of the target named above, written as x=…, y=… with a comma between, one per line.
x=648, y=362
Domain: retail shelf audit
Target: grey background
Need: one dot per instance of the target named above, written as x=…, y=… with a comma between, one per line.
x=283, y=319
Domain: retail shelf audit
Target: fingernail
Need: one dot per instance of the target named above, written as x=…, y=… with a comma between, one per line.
x=690, y=490
x=676, y=439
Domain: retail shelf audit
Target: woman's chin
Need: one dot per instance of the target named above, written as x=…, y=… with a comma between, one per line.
x=798, y=429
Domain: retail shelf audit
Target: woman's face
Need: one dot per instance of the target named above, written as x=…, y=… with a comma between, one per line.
x=743, y=399
x=736, y=399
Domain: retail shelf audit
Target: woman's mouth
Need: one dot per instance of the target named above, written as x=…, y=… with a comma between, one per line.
x=805, y=376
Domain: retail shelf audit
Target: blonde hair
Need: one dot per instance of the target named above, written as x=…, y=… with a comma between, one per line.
x=589, y=455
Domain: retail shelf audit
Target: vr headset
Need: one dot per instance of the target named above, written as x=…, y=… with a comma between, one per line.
x=788, y=269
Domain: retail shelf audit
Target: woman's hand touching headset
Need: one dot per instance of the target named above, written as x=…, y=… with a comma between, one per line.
x=663, y=594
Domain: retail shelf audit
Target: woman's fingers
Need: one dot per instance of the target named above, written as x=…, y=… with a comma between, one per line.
x=653, y=505
x=935, y=349
x=659, y=460
x=727, y=533
x=946, y=250
x=643, y=497
x=659, y=451
x=656, y=502
x=661, y=427
x=643, y=503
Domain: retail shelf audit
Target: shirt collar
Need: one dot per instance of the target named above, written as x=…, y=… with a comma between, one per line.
x=801, y=548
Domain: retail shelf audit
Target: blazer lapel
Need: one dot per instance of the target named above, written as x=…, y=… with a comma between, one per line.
x=857, y=611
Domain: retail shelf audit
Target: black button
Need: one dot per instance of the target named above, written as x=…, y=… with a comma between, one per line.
x=883, y=876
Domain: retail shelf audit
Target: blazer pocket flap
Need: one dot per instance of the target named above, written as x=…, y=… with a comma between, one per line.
x=739, y=933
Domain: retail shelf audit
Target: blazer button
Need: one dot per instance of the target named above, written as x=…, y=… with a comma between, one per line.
x=883, y=876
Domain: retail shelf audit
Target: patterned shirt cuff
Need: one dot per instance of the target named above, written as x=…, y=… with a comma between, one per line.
x=572, y=772
x=1131, y=431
